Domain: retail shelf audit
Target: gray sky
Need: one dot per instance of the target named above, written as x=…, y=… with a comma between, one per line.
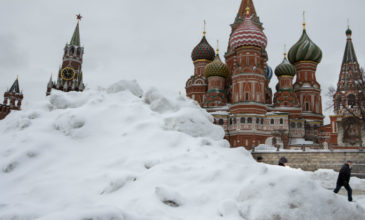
x=151, y=40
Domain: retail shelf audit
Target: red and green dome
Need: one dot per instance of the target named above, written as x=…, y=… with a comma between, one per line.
x=305, y=50
x=203, y=51
x=285, y=69
x=216, y=68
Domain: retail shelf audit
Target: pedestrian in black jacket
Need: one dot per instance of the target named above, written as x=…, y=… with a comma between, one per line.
x=344, y=179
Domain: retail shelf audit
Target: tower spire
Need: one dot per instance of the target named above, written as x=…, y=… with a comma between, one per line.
x=217, y=48
x=285, y=53
x=75, y=40
x=244, y=5
x=204, y=30
x=349, y=55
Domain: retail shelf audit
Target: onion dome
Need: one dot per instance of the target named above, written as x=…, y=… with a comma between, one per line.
x=285, y=68
x=305, y=50
x=348, y=31
x=269, y=72
x=216, y=68
x=203, y=51
x=248, y=34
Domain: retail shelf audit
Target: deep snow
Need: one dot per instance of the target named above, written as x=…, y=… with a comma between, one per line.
x=123, y=154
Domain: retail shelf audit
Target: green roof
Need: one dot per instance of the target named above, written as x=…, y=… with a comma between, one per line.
x=75, y=40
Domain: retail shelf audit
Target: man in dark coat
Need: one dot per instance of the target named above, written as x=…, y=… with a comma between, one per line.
x=344, y=179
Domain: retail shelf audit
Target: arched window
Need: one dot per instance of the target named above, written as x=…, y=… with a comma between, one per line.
x=306, y=106
x=257, y=121
x=235, y=120
x=292, y=125
x=246, y=96
x=221, y=122
x=78, y=52
x=249, y=120
x=351, y=100
x=72, y=51
x=299, y=125
x=262, y=121
x=281, y=121
x=243, y=120
x=272, y=121
x=230, y=121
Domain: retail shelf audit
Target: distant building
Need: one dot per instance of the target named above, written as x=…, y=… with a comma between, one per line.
x=12, y=100
x=237, y=93
x=70, y=76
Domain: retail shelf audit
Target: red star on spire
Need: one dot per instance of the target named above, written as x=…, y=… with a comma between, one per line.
x=78, y=17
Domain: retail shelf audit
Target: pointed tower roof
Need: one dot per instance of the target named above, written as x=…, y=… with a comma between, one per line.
x=247, y=4
x=349, y=55
x=15, y=86
x=75, y=40
x=241, y=15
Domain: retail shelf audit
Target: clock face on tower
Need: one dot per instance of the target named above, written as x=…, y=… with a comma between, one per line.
x=68, y=73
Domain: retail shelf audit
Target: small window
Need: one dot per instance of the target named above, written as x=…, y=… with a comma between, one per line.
x=249, y=120
x=235, y=120
x=272, y=121
x=262, y=121
x=307, y=106
x=257, y=121
x=215, y=122
x=281, y=121
x=230, y=121
x=299, y=125
x=221, y=122
x=243, y=120
x=292, y=125
x=246, y=96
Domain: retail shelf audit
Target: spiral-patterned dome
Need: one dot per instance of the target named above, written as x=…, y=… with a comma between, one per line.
x=305, y=50
x=269, y=72
x=285, y=69
x=203, y=51
x=216, y=68
x=248, y=34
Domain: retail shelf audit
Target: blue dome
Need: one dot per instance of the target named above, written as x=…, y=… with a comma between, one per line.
x=269, y=72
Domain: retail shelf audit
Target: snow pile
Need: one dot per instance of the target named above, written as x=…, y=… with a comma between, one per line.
x=122, y=154
x=265, y=147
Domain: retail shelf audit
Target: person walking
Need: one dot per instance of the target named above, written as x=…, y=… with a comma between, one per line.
x=344, y=179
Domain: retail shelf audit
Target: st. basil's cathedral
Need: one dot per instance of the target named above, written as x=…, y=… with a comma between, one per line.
x=238, y=95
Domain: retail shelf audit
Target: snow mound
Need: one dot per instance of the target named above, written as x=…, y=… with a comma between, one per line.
x=118, y=153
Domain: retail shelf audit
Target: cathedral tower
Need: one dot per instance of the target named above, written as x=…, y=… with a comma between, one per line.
x=202, y=54
x=346, y=94
x=246, y=59
x=305, y=56
x=70, y=76
x=12, y=100
x=216, y=72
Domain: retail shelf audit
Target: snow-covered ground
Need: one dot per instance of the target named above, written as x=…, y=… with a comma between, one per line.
x=123, y=154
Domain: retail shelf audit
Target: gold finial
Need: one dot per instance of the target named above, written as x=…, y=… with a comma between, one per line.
x=248, y=10
x=304, y=24
x=217, y=47
x=285, y=51
x=204, y=31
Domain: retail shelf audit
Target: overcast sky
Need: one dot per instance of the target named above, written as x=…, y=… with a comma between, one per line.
x=151, y=40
